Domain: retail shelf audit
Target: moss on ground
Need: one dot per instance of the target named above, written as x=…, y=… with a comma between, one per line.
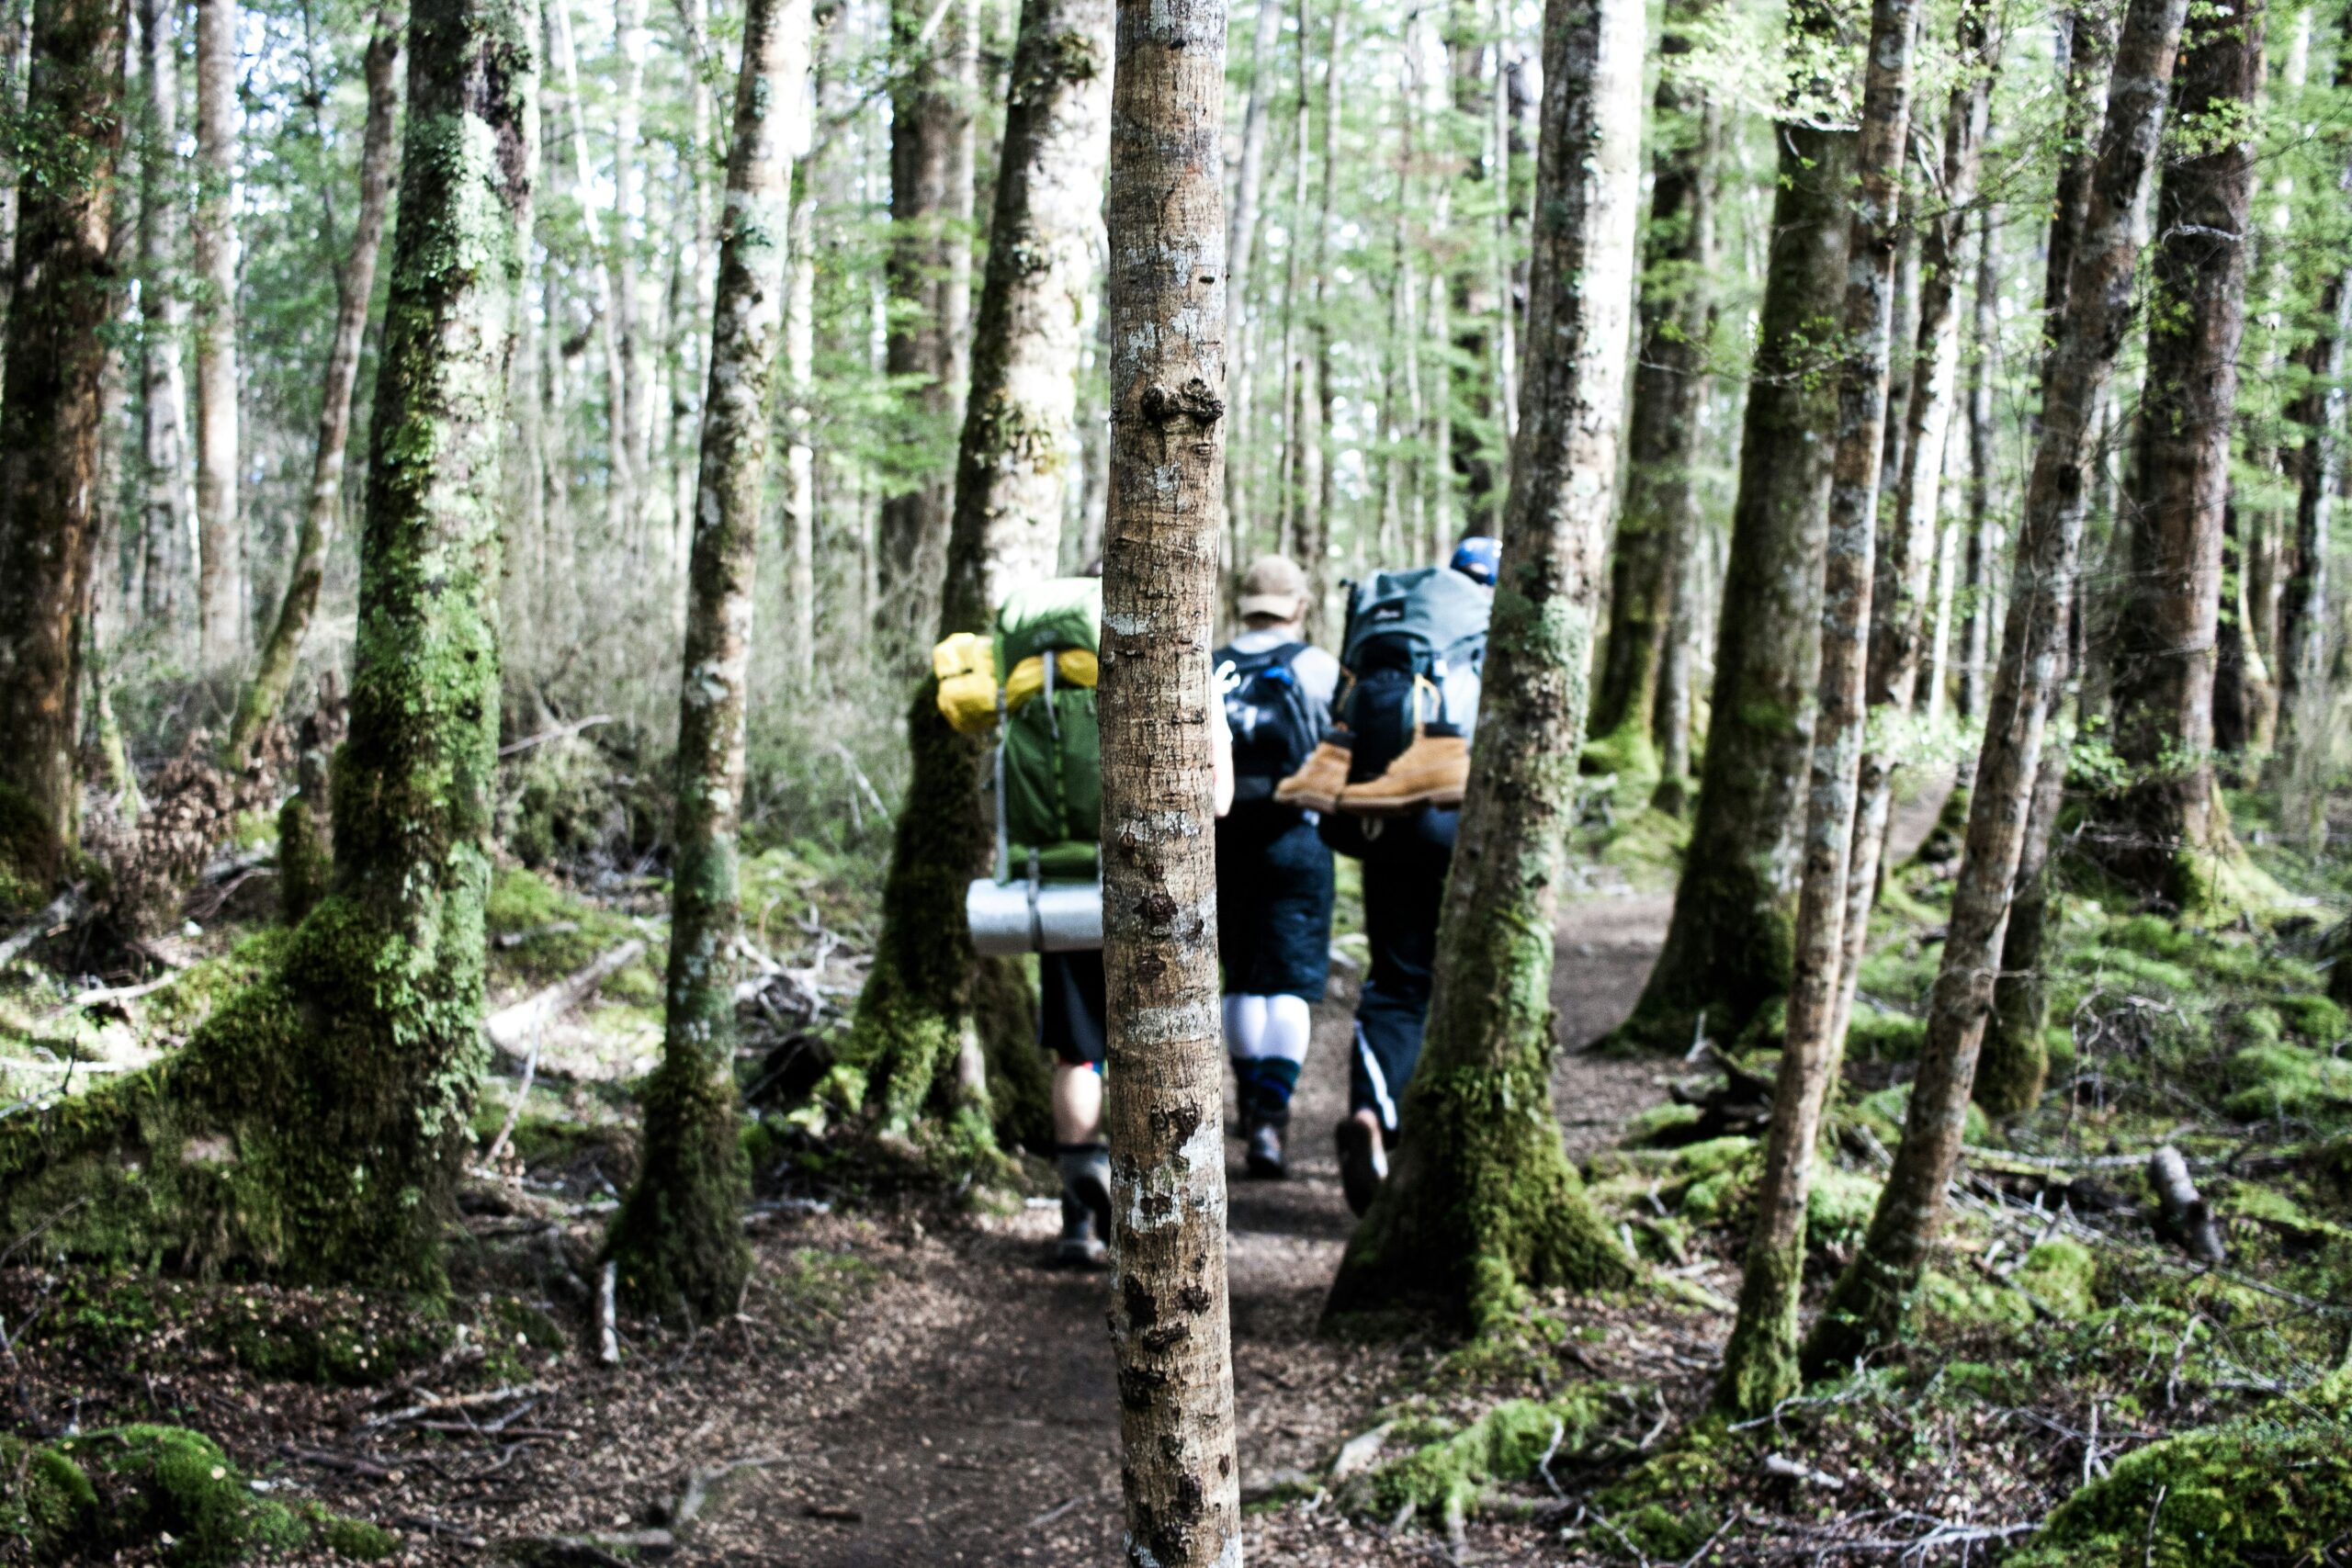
x=163, y=1494
x=2274, y=1487
x=1444, y=1476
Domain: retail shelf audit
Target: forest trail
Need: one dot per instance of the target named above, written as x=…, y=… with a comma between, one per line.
x=966, y=1414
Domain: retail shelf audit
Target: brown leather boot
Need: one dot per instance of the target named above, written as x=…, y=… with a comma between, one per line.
x=1317, y=784
x=1430, y=772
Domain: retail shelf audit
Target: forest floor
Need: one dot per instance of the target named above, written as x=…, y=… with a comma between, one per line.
x=906, y=1383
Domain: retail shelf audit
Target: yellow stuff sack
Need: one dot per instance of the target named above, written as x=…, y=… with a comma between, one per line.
x=965, y=666
x=1072, y=667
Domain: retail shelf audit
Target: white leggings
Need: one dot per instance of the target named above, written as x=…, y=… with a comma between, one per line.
x=1264, y=1027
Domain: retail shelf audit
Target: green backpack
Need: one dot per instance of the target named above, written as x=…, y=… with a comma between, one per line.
x=1049, y=759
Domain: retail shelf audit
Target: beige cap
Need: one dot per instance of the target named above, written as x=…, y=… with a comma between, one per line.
x=1274, y=586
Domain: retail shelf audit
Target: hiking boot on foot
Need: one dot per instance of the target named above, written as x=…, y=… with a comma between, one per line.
x=1317, y=784
x=1363, y=1163
x=1430, y=772
x=1265, y=1157
x=1086, y=1204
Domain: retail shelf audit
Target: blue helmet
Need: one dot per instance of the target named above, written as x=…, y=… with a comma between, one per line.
x=1477, y=557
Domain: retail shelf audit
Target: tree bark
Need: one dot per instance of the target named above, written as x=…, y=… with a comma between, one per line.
x=1729, y=945
x=2305, y=604
x=163, y=481
x=354, y=287
x=52, y=430
x=1982, y=540
x=1906, y=552
x=219, y=604
x=621, y=489
x=2016, y=1058
x=1661, y=510
x=1868, y=1306
x=635, y=340
x=1166, y=1069
x=16, y=68
x=679, y=1236
x=1240, y=249
x=799, y=455
x=2164, y=835
x=1484, y=1204
x=1012, y=478
x=1315, y=537
x=931, y=116
x=1760, y=1361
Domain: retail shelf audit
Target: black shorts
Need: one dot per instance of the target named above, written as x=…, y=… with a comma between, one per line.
x=1273, y=904
x=1072, y=1016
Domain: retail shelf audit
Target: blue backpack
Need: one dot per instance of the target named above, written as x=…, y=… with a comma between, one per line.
x=1415, y=649
x=1275, y=722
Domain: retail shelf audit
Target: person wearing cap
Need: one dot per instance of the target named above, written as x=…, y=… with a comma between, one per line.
x=1273, y=871
x=1404, y=821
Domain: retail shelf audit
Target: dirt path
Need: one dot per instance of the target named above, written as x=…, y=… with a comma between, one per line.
x=963, y=1413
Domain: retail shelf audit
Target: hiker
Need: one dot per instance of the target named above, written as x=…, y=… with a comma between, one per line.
x=1273, y=870
x=1386, y=783
x=1046, y=895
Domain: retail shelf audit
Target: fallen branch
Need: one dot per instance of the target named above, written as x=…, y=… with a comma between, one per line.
x=558, y=733
x=2188, y=1216
x=608, y=1337
x=326, y=1459
x=515, y=1112
x=62, y=912
x=509, y=1027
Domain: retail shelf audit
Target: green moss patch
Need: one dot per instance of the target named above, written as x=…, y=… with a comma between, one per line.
x=1445, y=1475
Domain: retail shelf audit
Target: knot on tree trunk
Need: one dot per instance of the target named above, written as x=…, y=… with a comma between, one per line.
x=1195, y=401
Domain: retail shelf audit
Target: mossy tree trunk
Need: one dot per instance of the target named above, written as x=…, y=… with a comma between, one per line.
x=1165, y=1069
x=1659, y=520
x=1871, y=1301
x=312, y=1127
x=51, y=431
x=2163, y=835
x=1729, y=947
x=1484, y=1203
x=1906, y=547
x=679, y=1236
x=1760, y=1361
x=917, y=1008
x=212, y=234
x=354, y=287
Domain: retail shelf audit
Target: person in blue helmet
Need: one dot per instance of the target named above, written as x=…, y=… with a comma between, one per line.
x=1390, y=794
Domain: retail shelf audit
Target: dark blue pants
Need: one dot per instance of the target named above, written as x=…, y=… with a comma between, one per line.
x=1404, y=884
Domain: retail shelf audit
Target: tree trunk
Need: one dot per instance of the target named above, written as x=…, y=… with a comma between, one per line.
x=1661, y=510
x=679, y=1236
x=1010, y=482
x=2164, y=835
x=1729, y=945
x=51, y=431
x=1760, y=1361
x=1484, y=1204
x=1983, y=542
x=1906, y=552
x=1166, y=1067
x=621, y=489
x=1870, y=1301
x=219, y=605
x=2016, y=1058
x=1240, y=249
x=163, y=483
x=635, y=421
x=931, y=116
x=799, y=455
x=16, y=68
x=1315, y=537
x=2305, y=606
x=354, y=286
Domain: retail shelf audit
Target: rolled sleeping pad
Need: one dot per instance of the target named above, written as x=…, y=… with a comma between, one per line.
x=1010, y=918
